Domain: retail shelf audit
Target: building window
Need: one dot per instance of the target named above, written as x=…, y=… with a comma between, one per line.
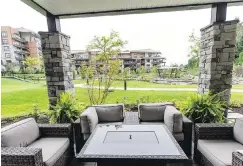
x=6, y=48
x=7, y=55
x=5, y=41
x=4, y=34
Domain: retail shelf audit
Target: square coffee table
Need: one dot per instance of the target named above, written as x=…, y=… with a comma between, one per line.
x=131, y=145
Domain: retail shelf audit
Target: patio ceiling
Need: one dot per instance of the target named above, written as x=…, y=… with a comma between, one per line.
x=87, y=8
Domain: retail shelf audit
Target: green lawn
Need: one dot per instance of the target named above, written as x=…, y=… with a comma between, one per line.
x=18, y=97
x=143, y=84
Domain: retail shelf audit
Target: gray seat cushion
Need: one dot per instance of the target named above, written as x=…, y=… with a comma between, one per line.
x=173, y=119
x=151, y=112
x=88, y=120
x=238, y=130
x=52, y=148
x=20, y=134
x=110, y=113
x=219, y=152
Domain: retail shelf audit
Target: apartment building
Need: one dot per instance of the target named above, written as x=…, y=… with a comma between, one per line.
x=145, y=57
x=132, y=59
x=17, y=43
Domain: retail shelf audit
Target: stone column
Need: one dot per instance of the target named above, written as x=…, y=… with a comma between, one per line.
x=216, y=58
x=58, y=64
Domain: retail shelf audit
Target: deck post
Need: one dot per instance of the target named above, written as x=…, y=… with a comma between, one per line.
x=217, y=52
x=58, y=64
x=53, y=23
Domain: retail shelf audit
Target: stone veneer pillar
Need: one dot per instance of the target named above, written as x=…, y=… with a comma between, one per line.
x=58, y=64
x=216, y=58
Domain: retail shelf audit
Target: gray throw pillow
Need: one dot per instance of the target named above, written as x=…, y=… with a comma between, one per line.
x=88, y=120
x=238, y=130
x=151, y=112
x=110, y=113
x=173, y=119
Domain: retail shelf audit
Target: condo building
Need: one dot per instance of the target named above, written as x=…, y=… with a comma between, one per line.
x=17, y=43
x=132, y=59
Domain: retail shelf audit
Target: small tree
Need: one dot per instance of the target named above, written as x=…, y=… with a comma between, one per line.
x=83, y=70
x=141, y=71
x=194, y=50
x=154, y=69
x=239, y=60
x=9, y=67
x=103, y=68
x=31, y=63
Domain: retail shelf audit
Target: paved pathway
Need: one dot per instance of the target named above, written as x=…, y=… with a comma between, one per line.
x=155, y=89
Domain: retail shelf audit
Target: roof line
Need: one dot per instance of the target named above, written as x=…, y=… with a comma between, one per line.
x=125, y=11
x=36, y=6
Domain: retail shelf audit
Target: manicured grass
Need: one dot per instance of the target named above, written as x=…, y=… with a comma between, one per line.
x=18, y=97
x=143, y=84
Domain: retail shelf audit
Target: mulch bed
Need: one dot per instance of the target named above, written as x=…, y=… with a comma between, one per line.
x=238, y=110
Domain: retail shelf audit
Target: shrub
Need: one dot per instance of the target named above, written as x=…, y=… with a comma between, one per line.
x=238, y=71
x=67, y=109
x=236, y=103
x=205, y=108
x=36, y=111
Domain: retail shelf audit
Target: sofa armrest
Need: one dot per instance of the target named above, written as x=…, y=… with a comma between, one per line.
x=187, y=130
x=237, y=159
x=21, y=156
x=214, y=131
x=78, y=136
x=56, y=130
x=173, y=119
x=88, y=120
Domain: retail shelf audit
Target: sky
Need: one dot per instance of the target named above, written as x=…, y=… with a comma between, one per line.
x=165, y=31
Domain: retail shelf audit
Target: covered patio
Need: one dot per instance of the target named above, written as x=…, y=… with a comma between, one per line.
x=217, y=53
x=218, y=38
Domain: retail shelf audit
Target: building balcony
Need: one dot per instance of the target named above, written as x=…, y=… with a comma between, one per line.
x=19, y=39
x=81, y=62
x=21, y=52
x=157, y=62
x=81, y=58
x=124, y=57
x=21, y=46
x=129, y=63
x=19, y=58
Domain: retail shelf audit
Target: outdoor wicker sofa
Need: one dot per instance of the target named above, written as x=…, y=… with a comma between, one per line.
x=215, y=144
x=27, y=143
x=114, y=114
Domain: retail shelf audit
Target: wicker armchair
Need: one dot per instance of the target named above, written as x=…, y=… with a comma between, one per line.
x=217, y=133
x=31, y=153
x=237, y=159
